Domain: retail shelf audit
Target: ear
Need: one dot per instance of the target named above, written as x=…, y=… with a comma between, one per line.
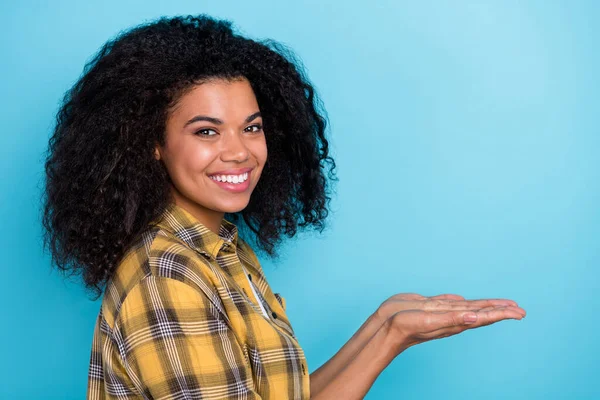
x=157, y=153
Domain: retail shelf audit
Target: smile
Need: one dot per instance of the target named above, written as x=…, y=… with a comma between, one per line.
x=232, y=183
x=234, y=179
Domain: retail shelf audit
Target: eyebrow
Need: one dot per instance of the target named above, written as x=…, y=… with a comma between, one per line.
x=217, y=121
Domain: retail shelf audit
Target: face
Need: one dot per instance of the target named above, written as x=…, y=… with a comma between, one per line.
x=215, y=148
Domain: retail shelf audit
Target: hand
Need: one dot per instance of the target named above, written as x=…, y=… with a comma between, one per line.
x=442, y=302
x=415, y=319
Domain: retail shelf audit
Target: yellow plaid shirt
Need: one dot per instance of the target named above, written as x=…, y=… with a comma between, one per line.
x=179, y=320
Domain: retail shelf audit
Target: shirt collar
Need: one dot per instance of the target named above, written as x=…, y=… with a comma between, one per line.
x=186, y=227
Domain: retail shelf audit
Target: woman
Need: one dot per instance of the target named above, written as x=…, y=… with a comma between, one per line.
x=179, y=132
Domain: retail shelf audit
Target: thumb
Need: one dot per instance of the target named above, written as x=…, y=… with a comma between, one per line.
x=458, y=318
x=469, y=317
x=450, y=319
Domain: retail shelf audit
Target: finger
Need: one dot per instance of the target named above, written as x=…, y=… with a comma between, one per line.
x=436, y=320
x=447, y=297
x=467, y=304
x=506, y=302
x=402, y=297
x=491, y=302
x=482, y=306
x=456, y=297
x=497, y=314
x=492, y=316
x=510, y=308
x=443, y=324
x=407, y=296
x=448, y=305
x=518, y=309
x=439, y=320
x=487, y=308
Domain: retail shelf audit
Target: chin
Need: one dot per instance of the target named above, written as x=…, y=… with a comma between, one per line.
x=233, y=208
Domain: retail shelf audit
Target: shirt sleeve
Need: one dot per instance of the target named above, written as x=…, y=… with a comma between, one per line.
x=175, y=344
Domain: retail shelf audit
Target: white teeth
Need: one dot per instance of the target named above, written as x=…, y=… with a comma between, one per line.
x=235, y=179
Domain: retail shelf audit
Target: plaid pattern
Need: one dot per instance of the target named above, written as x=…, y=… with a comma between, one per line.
x=179, y=320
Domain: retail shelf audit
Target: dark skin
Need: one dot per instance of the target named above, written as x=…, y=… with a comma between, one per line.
x=231, y=138
x=195, y=149
x=419, y=319
x=401, y=321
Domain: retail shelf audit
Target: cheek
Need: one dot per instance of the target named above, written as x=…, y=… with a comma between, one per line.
x=261, y=154
x=259, y=148
x=187, y=162
x=199, y=158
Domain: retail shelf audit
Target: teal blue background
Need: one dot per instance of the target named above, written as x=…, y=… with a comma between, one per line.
x=467, y=138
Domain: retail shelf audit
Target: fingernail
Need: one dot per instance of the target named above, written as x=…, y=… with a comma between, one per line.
x=470, y=318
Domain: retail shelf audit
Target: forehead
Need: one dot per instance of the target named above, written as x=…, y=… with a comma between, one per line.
x=218, y=98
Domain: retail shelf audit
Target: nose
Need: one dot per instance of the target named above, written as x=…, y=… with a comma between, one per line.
x=234, y=148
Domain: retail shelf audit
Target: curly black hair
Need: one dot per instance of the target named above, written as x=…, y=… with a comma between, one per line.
x=103, y=186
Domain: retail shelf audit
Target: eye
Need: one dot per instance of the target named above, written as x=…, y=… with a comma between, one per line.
x=202, y=132
x=254, y=128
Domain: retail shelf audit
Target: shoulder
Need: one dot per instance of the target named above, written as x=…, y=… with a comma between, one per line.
x=160, y=255
x=170, y=257
x=158, y=298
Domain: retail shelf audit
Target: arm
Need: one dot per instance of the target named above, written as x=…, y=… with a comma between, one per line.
x=394, y=304
x=327, y=372
x=173, y=343
x=353, y=380
x=404, y=326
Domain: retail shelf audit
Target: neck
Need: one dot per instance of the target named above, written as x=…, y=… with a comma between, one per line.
x=210, y=218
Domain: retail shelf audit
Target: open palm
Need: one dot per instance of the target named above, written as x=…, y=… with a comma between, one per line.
x=416, y=319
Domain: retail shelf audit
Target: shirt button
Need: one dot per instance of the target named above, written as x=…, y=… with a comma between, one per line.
x=274, y=315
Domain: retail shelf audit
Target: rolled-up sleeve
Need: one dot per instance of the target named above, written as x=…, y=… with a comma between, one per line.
x=175, y=344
